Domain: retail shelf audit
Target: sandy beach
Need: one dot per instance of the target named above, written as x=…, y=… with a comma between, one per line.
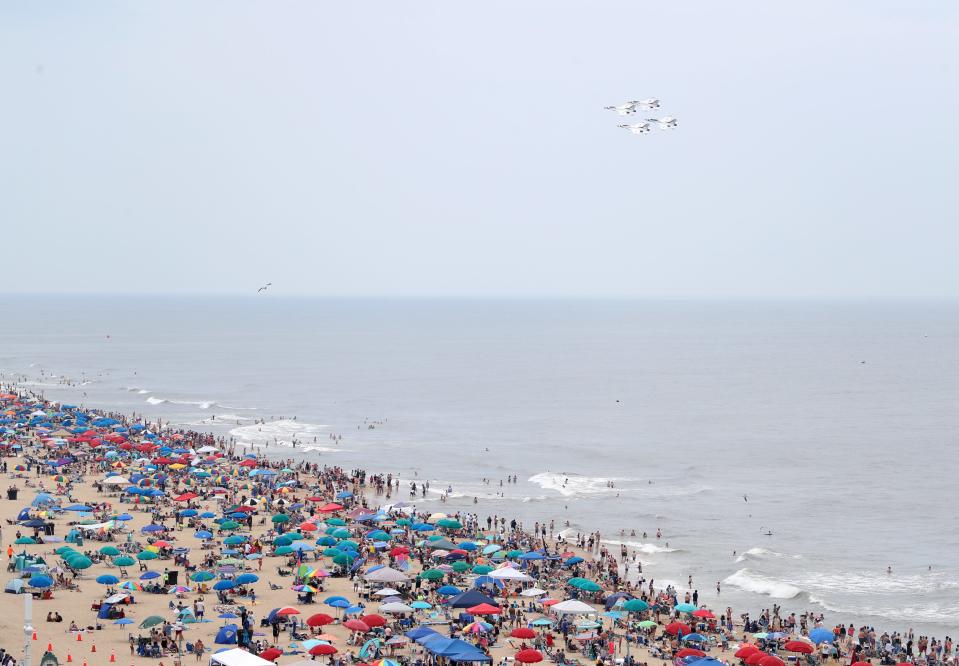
x=197, y=537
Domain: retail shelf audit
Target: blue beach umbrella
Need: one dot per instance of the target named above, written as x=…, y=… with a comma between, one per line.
x=108, y=579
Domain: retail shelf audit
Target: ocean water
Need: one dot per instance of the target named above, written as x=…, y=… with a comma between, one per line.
x=832, y=426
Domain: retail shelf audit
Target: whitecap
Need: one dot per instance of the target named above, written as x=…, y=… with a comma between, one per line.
x=751, y=581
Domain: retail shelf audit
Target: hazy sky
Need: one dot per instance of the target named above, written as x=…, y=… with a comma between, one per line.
x=460, y=148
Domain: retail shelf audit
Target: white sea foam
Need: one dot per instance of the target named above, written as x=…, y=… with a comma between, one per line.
x=202, y=404
x=571, y=485
x=751, y=581
x=283, y=432
x=648, y=548
x=760, y=553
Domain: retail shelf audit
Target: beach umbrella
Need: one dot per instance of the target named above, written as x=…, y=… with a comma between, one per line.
x=482, y=569
x=773, y=660
x=110, y=551
x=107, y=579
x=694, y=638
x=204, y=534
x=373, y=620
x=287, y=610
x=151, y=621
x=40, y=581
x=449, y=523
x=449, y=590
x=685, y=608
x=130, y=585
x=704, y=613
x=285, y=540
x=344, y=558
x=356, y=625
x=799, y=646
x=431, y=574
x=123, y=620
x=25, y=541
x=124, y=561
x=529, y=656
x=421, y=605
x=523, y=632
x=745, y=651
x=341, y=533
x=674, y=628
x=461, y=566
x=247, y=578
x=820, y=635
x=234, y=540
x=690, y=652
x=201, y=576
x=647, y=624
x=271, y=654
x=227, y=525
x=635, y=605
x=588, y=586
x=179, y=589
x=322, y=649
x=80, y=562
x=280, y=518
x=284, y=550
x=755, y=658
x=319, y=620
x=483, y=609
x=146, y=555
x=224, y=585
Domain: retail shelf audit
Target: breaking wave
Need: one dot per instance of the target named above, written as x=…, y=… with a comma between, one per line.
x=750, y=581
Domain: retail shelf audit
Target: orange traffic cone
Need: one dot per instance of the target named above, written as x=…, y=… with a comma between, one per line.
x=113, y=656
x=79, y=637
x=69, y=658
x=93, y=647
x=34, y=635
x=49, y=647
x=84, y=662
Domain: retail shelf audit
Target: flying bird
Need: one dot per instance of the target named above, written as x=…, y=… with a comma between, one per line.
x=666, y=122
x=638, y=128
x=263, y=288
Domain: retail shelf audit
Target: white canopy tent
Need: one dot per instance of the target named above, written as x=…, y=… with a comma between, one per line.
x=238, y=657
x=508, y=573
x=572, y=607
x=385, y=575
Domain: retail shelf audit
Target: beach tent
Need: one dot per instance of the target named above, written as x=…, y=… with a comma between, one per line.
x=508, y=573
x=385, y=575
x=420, y=632
x=470, y=598
x=104, y=613
x=14, y=586
x=237, y=657
x=227, y=636
x=572, y=607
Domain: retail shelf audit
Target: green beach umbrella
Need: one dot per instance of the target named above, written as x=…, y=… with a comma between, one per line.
x=280, y=518
x=331, y=552
x=647, y=624
x=344, y=558
x=326, y=541
x=25, y=541
x=110, y=551
x=228, y=525
x=125, y=561
x=403, y=522
x=348, y=544
x=202, y=576
x=336, y=522
x=588, y=586
x=482, y=569
x=342, y=533
x=432, y=574
x=146, y=555
x=685, y=608
x=284, y=550
x=514, y=553
x=80, y=562
x=284, y=540
x=460, y=566
x=449, y=523
x=378, y=535
x=234, y=540
x=151, y=621
x=64, y=549
x=294, y=536
x=635, y=606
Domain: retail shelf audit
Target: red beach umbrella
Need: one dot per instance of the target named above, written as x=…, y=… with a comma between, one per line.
x=483, y=609
x=185, y=497
x=271, y=654
x=690, y=652
x=356, y=625
x=322, y=649
x=771, y=660
x=799, y=646
x=522, y=632
x=745, y=651
x=373, y=620
x=287, y=610
x=331, y=507
x=676, y=627
x=319, y=620
x=755, y=658
x=703, y=612
x=529, y=656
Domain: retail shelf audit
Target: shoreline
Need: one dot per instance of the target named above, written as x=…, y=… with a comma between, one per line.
x=223, y=446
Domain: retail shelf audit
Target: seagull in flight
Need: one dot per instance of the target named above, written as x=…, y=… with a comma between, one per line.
x=638, y=128
x=263, y=288
x=666, y=122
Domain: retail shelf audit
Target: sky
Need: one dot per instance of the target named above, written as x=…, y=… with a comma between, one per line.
x=461, y=149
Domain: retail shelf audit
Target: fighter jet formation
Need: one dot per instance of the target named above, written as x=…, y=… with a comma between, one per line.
x=633, y=106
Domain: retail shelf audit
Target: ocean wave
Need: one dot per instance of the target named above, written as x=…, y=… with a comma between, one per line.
x=751, y=581
x=202, y=404
x=283, y=432
x=647, y=548
x=571, y=485
x=760, y=553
